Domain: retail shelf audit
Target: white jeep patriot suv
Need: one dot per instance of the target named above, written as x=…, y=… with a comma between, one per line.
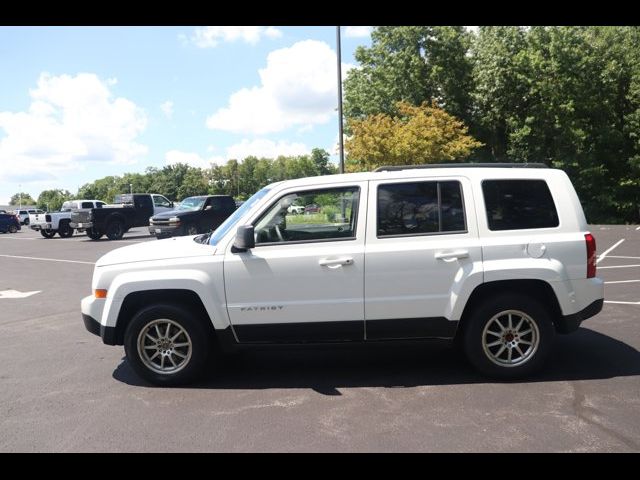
x=495, y=256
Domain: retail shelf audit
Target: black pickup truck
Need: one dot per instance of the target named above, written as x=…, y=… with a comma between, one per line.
x=127, y=211
x=195, y=215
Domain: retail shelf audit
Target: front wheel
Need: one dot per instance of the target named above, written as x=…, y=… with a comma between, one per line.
x=47, y=233
x=26, y=221
x=191, y=229
x=508, y=336
x=93, y=234
x=13, y=229
x=167, y=345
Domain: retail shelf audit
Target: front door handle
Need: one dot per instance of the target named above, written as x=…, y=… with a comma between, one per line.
x=335, y=262
x=452, y=255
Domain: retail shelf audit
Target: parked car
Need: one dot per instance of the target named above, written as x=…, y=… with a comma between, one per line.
x=313, y=208
x=127, y=211
x=495, y=257
x=9, y=223
x=23, y=214
x=195, y=215
x=296, y=209
x=48, y=224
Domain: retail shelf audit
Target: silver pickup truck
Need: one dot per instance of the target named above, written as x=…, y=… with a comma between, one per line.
x=50, y=223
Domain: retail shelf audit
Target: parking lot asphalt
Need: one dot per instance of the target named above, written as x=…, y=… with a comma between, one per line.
x=62, y=390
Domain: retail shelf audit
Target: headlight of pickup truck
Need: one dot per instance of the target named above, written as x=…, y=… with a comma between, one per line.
x=174, y=220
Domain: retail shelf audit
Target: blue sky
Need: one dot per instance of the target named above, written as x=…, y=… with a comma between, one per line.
x=80, y=103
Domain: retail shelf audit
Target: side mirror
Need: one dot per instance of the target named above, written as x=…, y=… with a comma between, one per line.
x=171, y=205
x=245, y=239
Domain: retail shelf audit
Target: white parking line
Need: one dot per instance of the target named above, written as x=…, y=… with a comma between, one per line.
x=638, y=228
x=609, y=250
x=622, y=256
x=623, y=303
x=48, y=259
x=624, y=281
x=619, y=266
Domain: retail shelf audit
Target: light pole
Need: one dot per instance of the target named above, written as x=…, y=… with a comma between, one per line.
x=131, y=188
x=340, y=99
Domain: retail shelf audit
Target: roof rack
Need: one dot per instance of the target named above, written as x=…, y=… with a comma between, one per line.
x=392, y=168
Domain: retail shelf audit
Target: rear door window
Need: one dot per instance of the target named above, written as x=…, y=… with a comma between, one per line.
x=519, y=204
x=420, y=208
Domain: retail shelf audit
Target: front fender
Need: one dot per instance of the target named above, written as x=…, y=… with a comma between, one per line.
x=196, y=281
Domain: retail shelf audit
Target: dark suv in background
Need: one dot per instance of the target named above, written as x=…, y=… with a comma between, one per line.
x=195, y=215
x=9, y=223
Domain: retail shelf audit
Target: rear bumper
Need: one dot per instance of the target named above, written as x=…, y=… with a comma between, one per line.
x=570, y=323
x=40, y=226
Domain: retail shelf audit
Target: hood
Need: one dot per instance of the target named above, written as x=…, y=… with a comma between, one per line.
x=170, y=248
x=174, y=213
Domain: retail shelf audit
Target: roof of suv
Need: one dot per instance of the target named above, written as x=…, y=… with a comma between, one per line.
x=466, y=170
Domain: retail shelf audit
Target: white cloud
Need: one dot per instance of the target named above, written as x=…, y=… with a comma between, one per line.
x=167, y=109
x=298, y=88
x=357, y=32
x=259, y=147
x=71, y=120
x=209, y=37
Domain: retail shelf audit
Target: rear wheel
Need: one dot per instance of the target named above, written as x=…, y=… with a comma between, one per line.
x=115, y=230
x=94, y=234
x=167, y=345
x=64, y=230
x=26, y=221
x=13, y=229
x=508, y=336
x=48, y=233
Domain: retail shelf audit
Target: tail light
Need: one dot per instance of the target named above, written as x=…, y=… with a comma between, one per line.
x=47, y=218
x=591, y=255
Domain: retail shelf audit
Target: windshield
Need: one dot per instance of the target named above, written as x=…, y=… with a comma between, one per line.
x=192, y=204
x=230, y=222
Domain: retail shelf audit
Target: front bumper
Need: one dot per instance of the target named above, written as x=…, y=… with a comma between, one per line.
x=92, y=308
x=82, y=225
x=165, y=231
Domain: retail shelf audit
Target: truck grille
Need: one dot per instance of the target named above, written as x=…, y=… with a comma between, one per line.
x=80, y=216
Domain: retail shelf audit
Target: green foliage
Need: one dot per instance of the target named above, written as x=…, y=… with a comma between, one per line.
x=565, y=96
x=239, y=179
x=52, y=200
x=22, y=199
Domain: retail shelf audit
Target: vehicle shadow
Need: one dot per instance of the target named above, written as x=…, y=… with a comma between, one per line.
x=583, y=355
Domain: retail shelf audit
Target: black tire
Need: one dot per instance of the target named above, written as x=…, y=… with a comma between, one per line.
x=504, y=360
x=26, y=221
x=13, y=229
x=191, y=229
x=115, y=230
x=64, y=230
x=47, y=233
x=94, y=234
x=198, y=336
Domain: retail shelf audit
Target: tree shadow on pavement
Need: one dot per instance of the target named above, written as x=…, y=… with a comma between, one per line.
x=583, y=355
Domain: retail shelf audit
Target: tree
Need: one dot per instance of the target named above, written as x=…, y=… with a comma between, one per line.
x=419, y=135
x=320, y=159
x=52, y=200
x=414, y=64
x=22, y=199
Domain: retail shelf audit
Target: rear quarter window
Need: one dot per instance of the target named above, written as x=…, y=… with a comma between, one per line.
x=519, y=205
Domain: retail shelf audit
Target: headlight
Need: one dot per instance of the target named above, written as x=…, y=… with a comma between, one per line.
x=174, y=220
x=150, y=219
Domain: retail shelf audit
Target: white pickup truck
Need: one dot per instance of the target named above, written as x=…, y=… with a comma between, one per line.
x=496, y=257
x=48, y=224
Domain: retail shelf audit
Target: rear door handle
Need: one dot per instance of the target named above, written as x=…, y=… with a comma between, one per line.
x=452, y=255
x=335, y=262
